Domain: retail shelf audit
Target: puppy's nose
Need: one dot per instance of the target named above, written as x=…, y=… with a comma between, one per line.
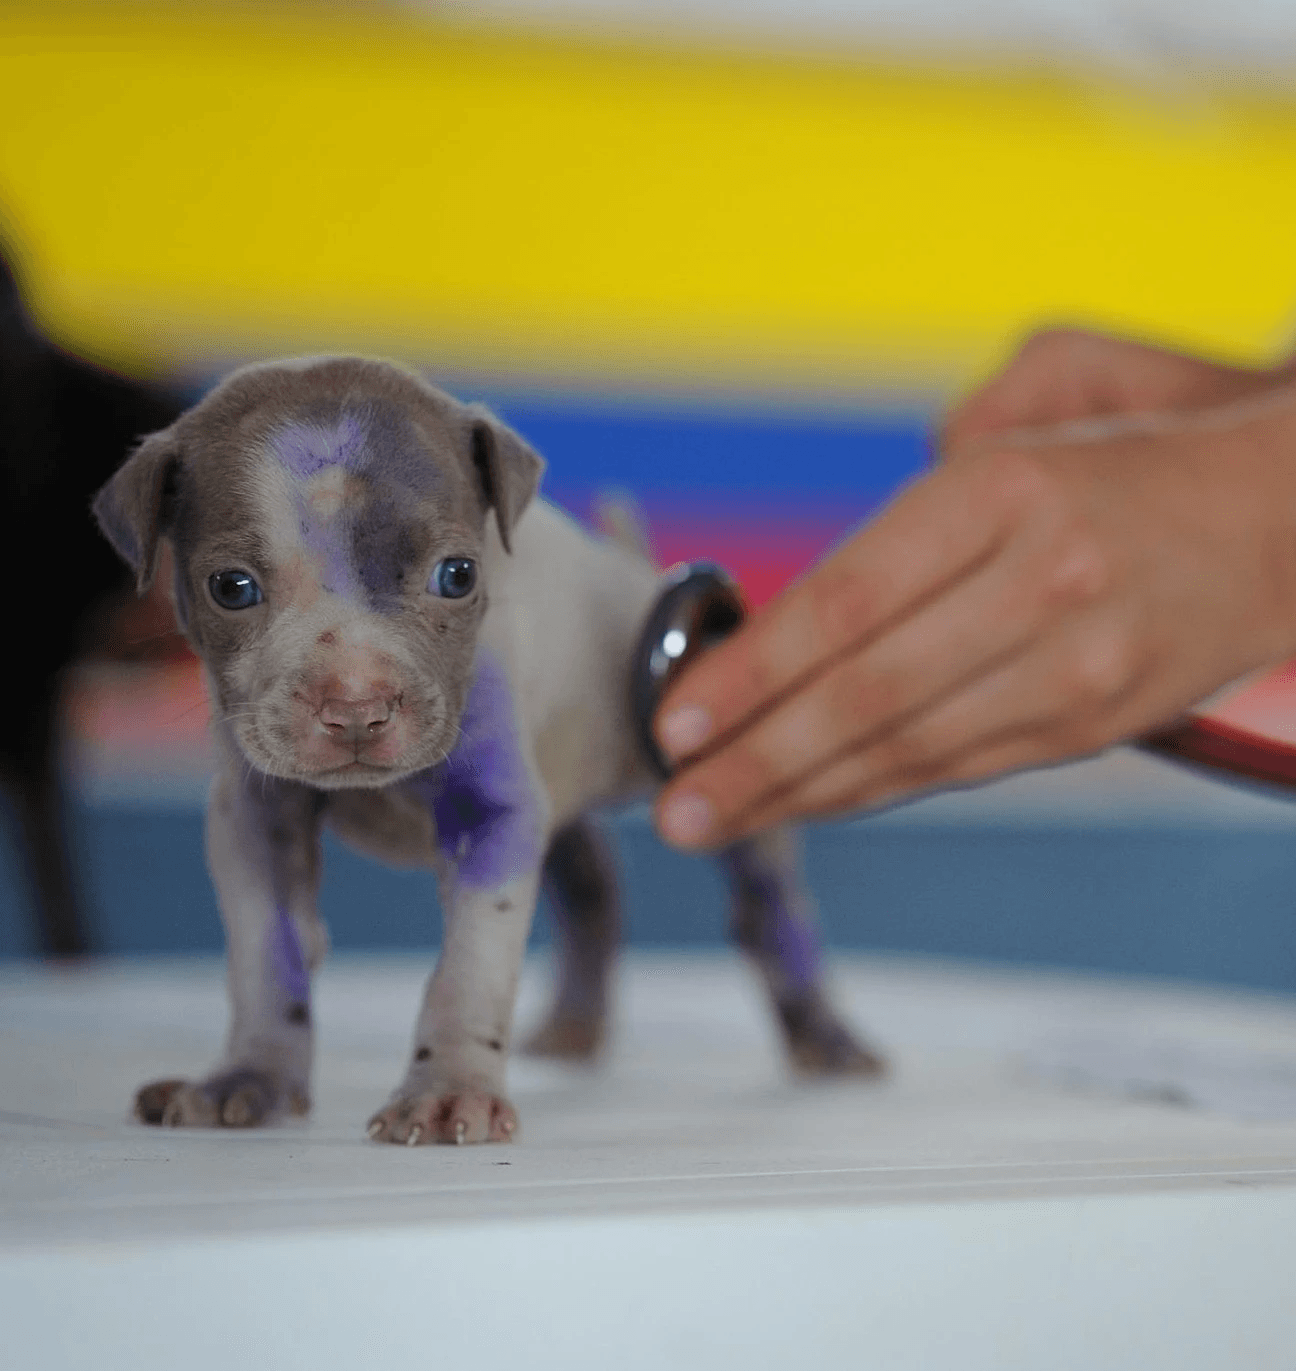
x=356, y=721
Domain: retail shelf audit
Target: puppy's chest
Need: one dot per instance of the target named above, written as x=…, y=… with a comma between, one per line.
x=480, y=809
x=394, y=825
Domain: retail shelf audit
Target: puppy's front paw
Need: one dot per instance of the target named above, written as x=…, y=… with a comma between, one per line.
x=241, y=1098
x=457, y=1116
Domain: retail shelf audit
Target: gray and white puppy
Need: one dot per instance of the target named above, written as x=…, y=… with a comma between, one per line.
x=440, y=687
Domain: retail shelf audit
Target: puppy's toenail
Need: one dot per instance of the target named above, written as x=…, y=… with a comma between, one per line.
x=375, y=1128
x=460, y=1129
x=415, y=1134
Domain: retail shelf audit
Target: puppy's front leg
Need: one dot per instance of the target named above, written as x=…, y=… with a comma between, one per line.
x=491, y=819
x=263, y=850
x=454, y=1088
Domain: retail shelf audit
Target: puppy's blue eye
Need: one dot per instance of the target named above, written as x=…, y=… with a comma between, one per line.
x=453, y=577
x=234, y=589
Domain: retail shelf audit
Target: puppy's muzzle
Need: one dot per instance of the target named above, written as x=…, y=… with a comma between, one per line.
x=358, y=723
x=339, y=722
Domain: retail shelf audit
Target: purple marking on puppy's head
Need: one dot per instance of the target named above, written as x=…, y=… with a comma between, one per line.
x=306, y=448
x=358, y=475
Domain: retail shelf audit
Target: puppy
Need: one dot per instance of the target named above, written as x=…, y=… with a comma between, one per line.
x=403, y=643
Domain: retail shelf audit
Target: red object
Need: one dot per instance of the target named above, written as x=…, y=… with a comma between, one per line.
x=1217, y=746
x=762, y=556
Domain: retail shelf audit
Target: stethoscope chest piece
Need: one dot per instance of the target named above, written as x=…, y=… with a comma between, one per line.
x=698, y=606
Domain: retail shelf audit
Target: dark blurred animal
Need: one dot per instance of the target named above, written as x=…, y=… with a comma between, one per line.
x=65, y=426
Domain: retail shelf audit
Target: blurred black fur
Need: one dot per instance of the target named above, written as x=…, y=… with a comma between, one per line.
x=65, y=426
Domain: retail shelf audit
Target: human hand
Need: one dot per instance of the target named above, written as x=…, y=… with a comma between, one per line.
x=1063, y=375
x=1043, y=595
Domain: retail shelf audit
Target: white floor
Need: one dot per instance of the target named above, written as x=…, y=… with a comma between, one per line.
x=682, y=1205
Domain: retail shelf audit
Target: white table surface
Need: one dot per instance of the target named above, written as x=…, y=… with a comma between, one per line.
x=683, y=1204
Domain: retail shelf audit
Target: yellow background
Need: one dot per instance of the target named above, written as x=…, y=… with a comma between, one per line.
x=184, y=182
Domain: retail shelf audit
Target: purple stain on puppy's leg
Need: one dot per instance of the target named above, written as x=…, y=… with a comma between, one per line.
x=795, y=945
x=767, y=918
x=287, y=961
x=482, y=796
x=772, y=922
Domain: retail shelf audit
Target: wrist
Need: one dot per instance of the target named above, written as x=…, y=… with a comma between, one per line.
x=1257, y=439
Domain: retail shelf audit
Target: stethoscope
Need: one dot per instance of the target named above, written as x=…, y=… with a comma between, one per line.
x=700, y=604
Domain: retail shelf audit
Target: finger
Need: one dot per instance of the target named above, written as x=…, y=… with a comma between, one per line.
x=909, y=764
x=1067, y=700
x=934, y=534
x=985, y=620
x=1049, y=380
x=1062, y=375
x=860, y=782
x=988, y=761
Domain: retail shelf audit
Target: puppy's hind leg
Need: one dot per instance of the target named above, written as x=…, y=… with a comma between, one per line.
x=581, y=882
x=773, y=923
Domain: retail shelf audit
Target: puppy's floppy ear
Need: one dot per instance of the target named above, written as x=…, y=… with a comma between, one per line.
x=508, y=470
x=135, y=507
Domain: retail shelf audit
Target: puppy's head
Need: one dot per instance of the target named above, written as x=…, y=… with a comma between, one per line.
x=328, y=519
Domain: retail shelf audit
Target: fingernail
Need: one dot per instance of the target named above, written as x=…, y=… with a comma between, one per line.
x=684, y=729
x=686, y=819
